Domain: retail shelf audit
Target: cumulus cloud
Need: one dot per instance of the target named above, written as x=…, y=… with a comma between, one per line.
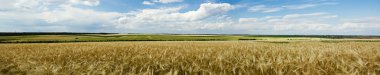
x=65, y=15
x=60, y=14
x=268, y=9
x=71, y=18
x=172, y=18
x=68, y=14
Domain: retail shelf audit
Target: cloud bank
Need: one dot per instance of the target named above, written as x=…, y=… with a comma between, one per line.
x=78, y=16
x=172, y=18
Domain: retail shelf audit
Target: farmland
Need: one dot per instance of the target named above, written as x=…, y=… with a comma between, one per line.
x=153, y=54
x=219, y=57
x=75, y=37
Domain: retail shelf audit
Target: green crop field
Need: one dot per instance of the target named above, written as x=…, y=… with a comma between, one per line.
x=104, y=38
x=157, y=37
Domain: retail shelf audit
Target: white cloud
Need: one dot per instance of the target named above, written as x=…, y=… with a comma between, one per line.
x=249, y=20
x=304, y=6
x=5, y=4
x=45, y=14
x=203, y=18
x=86, y=2
x=264, y=9
x=267, y=9
x=77, y=16
x=42, y=5
x=147, y=3
x=167, y=1
x=318, y=14
x=66, y=15
x=368, y=23
x=31, y=6
x=153, y=2
x=293, y=22
x=63, y=14
x=310, y=23
x=257, y=8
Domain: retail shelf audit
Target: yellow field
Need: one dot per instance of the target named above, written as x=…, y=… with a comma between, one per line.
x=218, y=58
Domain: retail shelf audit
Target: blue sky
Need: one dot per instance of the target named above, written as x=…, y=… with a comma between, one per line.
x=295, y=17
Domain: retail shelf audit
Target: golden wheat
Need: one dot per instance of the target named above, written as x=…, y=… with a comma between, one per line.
x=188, y=58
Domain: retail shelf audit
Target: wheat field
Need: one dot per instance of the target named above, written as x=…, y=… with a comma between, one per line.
x=191, y=58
